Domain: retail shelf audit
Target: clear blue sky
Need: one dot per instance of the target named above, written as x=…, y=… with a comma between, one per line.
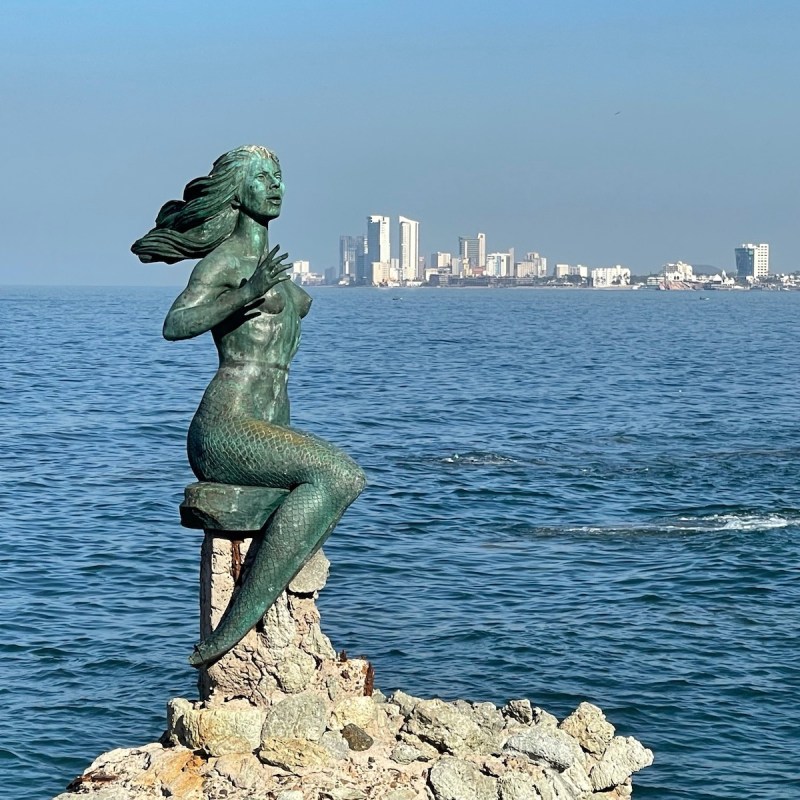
x=593, y=131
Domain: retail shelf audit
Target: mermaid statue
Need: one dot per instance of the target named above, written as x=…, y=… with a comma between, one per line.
x=240, y=291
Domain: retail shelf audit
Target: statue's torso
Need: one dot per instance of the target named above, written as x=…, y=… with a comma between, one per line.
x=254, y=358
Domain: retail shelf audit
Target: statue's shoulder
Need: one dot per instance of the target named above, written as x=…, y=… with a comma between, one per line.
x=219, y=268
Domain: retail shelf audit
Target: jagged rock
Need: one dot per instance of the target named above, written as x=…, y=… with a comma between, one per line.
x=621, y=792
x=293, y=754
x=335, y=744
x=544, y=719
x=295, y=671
x=622, y=758
x=517, y=786
x=314, y=575
x=488, y=716
x=361, y=711
x=455, y=779
x=429, y=752
x=406, y=754
x=406, y=702
x=300, y=716
x=356, y=737
x=243, y=770
x=227, y=728
x=589, y=726
x=546, y=744
x=317, y=644
x=292, y=794
x=445, y=726
x=280, y=627
x=402, y=794
x=520, y=710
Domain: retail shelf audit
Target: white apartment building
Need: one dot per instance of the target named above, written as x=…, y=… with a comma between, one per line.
x=383, y=272
x=378, y=239
x=498, y=265
x=440, y=260
x=409, y=249
x=301, y=267
x=571, y=270
x=679, y=272
x=534, y=266
x=610, y=276
x=752, y=261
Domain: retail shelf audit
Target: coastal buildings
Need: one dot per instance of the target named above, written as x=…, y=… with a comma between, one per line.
x=378, y=238
x=609, y=276
x=752, y=261
x=373, y=259
x=472, y=251
x=534, y=266
x=347, y=256
x=409, y=249
x=499, y=265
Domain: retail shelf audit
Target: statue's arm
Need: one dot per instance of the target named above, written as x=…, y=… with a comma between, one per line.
x=211, y=296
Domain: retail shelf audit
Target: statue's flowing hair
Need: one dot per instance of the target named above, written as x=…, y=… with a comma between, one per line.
x=196, y=225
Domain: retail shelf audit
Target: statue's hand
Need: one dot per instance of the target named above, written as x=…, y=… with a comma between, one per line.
x=270, y=271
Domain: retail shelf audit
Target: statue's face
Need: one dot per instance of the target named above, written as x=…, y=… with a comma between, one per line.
x=262, y=190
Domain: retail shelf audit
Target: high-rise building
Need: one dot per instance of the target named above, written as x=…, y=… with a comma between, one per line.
x=347, y=257
x=534, y=266
x=440, y=260
x=363, y=269
x=378, y=239
x=499, y=265
x=752, y=261
x=409, y=249
x=473, y=251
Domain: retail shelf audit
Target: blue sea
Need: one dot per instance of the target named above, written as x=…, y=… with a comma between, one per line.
x=573, y=495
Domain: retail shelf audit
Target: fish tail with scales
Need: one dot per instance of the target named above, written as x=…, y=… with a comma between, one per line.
x=323, y=481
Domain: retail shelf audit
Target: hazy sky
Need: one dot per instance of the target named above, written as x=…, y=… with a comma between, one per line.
x=593, y=131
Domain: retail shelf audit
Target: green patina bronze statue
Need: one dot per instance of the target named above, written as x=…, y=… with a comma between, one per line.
x=240, y=434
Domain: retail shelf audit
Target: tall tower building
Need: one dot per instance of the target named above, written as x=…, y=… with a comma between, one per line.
x=363, y=271
x=378, y=239
x=752, y=261
x=347, y=257
x=409, y=249
x=473, y=251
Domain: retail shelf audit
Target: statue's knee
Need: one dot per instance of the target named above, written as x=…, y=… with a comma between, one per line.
x=349, y=482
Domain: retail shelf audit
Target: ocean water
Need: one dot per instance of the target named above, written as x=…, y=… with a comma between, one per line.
x=573, y=496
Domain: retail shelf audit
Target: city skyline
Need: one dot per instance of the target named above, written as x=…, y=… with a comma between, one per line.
x=379, y=263
x=605, y=132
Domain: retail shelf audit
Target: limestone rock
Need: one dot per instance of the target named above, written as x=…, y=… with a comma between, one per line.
x=361, y=711
x=544, y=718
x=243, y=770
x=589, y=726
x=515, y=785
x=454, y=779
x=300, y=716
x=622, y=758
x=292, y=754
x=313, y=576
x=335, y=744
x=227, y=728
x=546, y=744
x=406, y=702
x=445, y=726
x=520, y=710
x=295, y=671
x=406, y=754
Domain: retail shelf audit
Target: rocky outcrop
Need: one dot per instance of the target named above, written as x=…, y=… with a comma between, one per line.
x=304, y=723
